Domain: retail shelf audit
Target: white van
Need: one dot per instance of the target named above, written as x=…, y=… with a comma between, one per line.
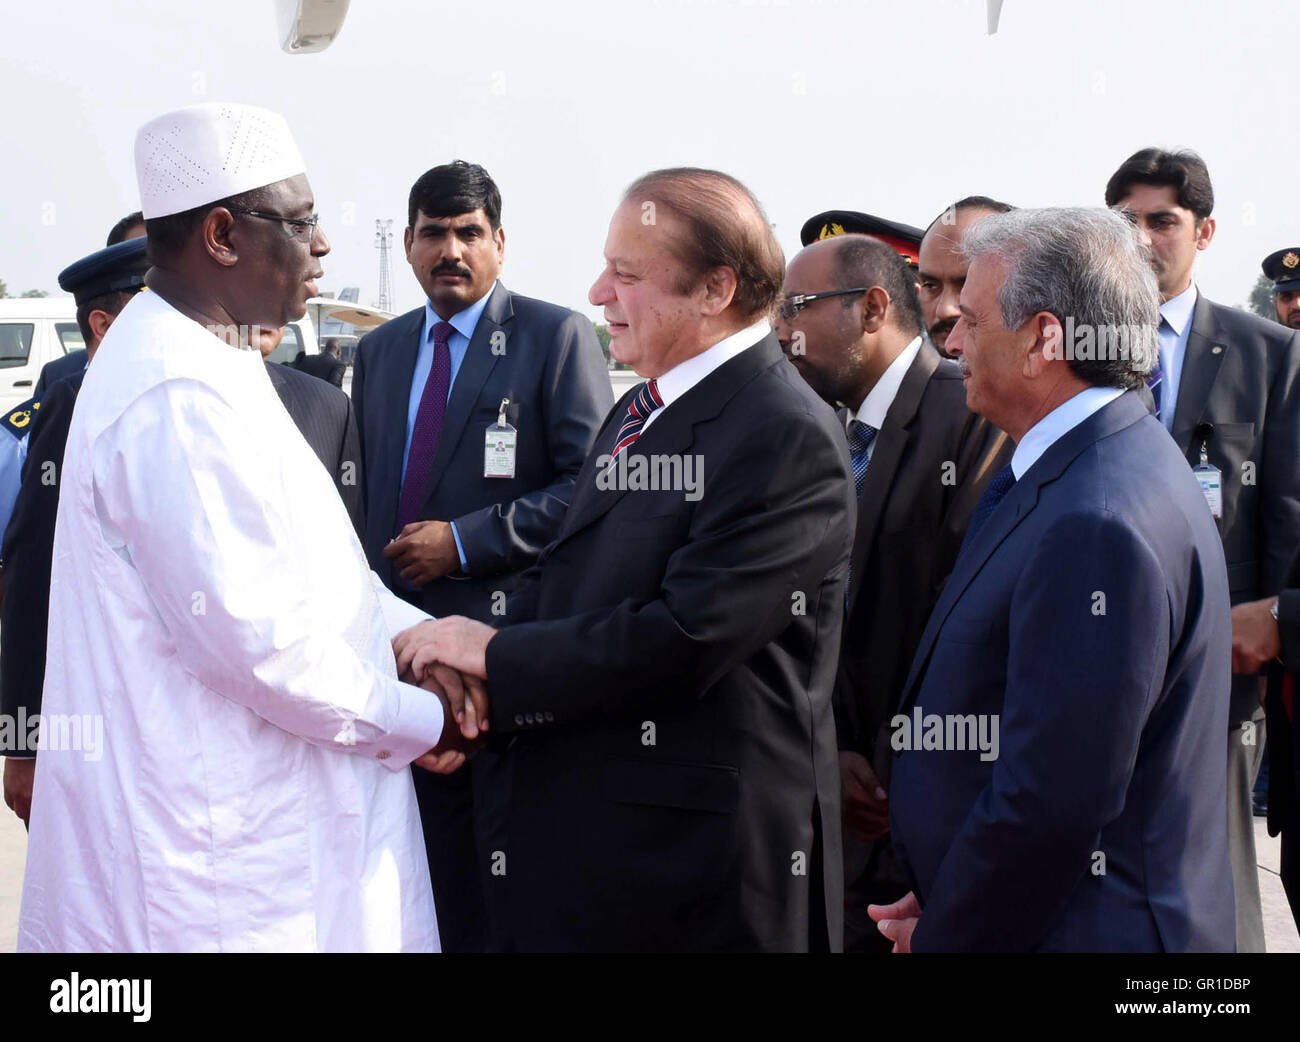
x=33, y=331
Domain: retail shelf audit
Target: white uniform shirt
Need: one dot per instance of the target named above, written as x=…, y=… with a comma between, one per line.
x=211, y=605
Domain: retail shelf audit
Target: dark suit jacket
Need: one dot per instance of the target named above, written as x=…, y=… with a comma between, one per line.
x=323, y=415
x=1241, y=374
x=323, y=366
x=547, y=361
x=929, y=465
x=665, y=674
x=325, y=418
x=53, y=372
x=1089, y=618
x=1284, y=730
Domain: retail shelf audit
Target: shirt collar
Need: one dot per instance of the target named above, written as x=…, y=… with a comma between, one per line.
x=1177, y=311
x=464, y=322
x=875, y=406
x=1057, y=423
x=685, y=375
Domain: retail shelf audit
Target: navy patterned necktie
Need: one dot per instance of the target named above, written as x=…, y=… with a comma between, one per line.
x=861, y=435
x=997, y=490
x=644, y=402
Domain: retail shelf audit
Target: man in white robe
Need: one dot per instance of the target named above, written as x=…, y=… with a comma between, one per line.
x=212, y=609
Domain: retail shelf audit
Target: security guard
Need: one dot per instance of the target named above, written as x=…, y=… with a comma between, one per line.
x=1283, y=269
x=903, y=237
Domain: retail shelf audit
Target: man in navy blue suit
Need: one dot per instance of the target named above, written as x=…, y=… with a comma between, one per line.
x=1058, y=784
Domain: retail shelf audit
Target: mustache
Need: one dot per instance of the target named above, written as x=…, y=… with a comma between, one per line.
x=943, y=328
x=451, y=269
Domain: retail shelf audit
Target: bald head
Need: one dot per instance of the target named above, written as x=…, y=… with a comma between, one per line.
x=850, y=309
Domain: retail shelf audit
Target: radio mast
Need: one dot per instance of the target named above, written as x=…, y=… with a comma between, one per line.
x=384, y=243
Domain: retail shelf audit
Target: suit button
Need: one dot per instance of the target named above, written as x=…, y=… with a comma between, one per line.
x=519, y=720
x=528, y=717
x=383, y=754
x=550, y=717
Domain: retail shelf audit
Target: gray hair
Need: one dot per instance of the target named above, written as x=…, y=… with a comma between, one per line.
x=1086, y=266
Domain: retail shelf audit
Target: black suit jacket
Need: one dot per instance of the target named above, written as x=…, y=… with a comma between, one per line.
x=323, y=366
x=53, y=372
x=547, y=361
x=1241, y=377
x=323, y=415
x=666, y=675
x=929, y=465
x=1284, y=730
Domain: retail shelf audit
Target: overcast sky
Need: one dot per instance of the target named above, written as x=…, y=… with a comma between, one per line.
x=892, y=108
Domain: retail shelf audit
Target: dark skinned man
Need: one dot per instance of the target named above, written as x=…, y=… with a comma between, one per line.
x=211, y=608
x=851, y=324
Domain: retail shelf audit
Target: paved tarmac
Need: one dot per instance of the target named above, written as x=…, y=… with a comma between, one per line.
x=1279, y=927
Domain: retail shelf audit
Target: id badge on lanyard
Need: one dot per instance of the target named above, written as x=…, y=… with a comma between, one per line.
x=499, y=447
x=1210, y=478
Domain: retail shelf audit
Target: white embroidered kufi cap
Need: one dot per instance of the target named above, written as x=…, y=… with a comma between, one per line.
x=205, y=153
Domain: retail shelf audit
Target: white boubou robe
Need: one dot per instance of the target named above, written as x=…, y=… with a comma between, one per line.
x=211, y=603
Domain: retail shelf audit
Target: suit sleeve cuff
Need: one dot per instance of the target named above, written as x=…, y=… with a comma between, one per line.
x=460, y=549
x=1288, y=628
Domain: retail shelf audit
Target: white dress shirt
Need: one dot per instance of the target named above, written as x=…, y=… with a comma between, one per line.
x=211, y=605
x=685, y=375
x=1057, y=423
x=875, y=406
x=1177, y=315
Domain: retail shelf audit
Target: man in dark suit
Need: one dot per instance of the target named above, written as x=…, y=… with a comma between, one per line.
x=450, y=524
x=325, y=366
x=851, y=323
x=1059, y=784
x=1228, y=391
x=663, y=681
x=321, y=413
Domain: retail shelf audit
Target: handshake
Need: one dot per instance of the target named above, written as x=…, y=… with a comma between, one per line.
x=449, y=657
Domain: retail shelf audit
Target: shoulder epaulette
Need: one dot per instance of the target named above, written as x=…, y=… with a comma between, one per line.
x=18, y=421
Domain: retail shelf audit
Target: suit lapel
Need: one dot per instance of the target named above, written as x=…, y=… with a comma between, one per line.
x=885, y=455
x=672, y=433
x=485, y=347
x=1201, y=361
x=392, y=386
x=1018, y=504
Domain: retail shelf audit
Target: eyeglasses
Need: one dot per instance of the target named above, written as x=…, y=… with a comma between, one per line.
x=300, y=228
x=791, y=306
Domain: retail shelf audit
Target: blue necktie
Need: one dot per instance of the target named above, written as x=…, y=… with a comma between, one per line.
x=993, y=495
x=861, y=435
x=1165, y=332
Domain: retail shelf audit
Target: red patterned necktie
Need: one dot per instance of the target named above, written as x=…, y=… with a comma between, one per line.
x=645, y=402
x=428, y=427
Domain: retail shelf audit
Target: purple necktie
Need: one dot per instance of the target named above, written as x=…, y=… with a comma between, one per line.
x=428, y=427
